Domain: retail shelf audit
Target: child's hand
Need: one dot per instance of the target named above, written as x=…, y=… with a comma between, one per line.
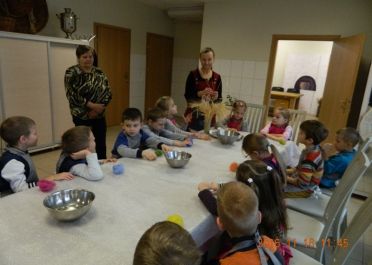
x=166, y=148
x=108, y=160
x=80, y=154
x=290, y=171
x=179, y=143
x=149, y=154
x=292, y=180
x=62, y=176
x=328, y=150
x=202, y=136
x=203, y=186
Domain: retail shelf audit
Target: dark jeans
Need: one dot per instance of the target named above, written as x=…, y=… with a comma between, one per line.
x=98, y=127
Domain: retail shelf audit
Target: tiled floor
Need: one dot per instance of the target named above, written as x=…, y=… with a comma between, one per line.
x=362, y=255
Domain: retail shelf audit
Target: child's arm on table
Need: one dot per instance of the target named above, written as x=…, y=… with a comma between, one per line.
x=90, y=171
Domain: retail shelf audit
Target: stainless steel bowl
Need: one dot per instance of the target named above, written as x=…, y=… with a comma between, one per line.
x=70, y=204
x=177, y=159
x=227, y=136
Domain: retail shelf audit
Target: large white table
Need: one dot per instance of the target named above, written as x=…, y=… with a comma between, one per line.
x=124, y=207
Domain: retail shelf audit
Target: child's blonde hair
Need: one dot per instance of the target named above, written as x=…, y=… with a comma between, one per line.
x=166, y=243
x=285, y=113
x=349, y=135
x=164, y=103
x=239, y=104
x=75, y=139
x=237, y=207
x=255, y=142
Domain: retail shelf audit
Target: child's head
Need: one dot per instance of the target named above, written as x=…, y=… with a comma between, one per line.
x=131, y=121
x=346, y=139
x=237, y=207
x=78, y=138
x=156, y=119
x=312, y=132
x=166, y=243
x=166, y=104
x=265, y=182
x=19, y=131
x=239, y=108
x=256, y=146
x=281, y=117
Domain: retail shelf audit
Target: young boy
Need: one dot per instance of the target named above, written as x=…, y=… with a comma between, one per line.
x=132, y=141
x=166, y=243
x=336, y=164
x=156, y=120
x=238, y=214
x=17, y=171
x=306, y=177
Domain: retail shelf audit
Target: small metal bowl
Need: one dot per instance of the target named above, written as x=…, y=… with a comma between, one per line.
x=177, y=159
x=227, y=136
x=69, y=204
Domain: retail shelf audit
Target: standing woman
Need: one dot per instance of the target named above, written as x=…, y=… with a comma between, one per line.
x=202, y=84
x=88, y=92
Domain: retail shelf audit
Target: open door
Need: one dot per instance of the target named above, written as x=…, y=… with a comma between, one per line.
x=159, y=57
x=339, y=87
x=113, y=48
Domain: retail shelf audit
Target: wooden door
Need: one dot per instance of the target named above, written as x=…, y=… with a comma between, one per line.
x=112, y=45
x=340, y=83
x=159, y=57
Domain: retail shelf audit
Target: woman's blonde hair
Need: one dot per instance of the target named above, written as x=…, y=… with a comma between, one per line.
x=206, y=50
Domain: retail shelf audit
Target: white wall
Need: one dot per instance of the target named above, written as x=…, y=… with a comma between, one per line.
x=187, y=37
x=242, y=30
x=299, y=58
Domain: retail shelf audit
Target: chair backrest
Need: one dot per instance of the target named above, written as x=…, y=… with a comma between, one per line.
x=344, y=189
x=297, y=117
x=254, y=115
x=360, y=223
x=281, y=164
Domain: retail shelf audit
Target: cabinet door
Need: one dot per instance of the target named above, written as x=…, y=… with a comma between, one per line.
x=61, y=57
x=24, y=84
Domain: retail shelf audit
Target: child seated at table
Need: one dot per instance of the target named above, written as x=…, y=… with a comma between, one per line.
x=256, y=146
x=236, y=118
x=238, y=215
x=167, y=104
x=132, y=141
x=338, y=156
x=79, y=156
x=279, y=129
x=17, y=171
x=156, y=120
x=166, y=243
x=265, y=183
x=305, y=179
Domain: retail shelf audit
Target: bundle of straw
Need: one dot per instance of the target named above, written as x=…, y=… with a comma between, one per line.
x=209, y=109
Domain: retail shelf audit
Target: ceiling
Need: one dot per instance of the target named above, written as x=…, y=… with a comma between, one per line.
x=189, y=10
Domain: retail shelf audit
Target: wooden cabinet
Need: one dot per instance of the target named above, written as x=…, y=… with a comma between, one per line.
x=285, y=99
x=32, y=82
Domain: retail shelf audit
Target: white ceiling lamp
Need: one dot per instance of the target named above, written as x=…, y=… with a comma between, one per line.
x=191, y=13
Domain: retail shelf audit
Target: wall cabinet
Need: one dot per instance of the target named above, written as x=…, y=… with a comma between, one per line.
x=32, y=82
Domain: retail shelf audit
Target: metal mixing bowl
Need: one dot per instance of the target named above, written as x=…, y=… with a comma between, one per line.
x=227, y=136
x=177, y=159
x=70, y=204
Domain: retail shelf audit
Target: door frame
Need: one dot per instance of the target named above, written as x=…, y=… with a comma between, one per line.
x=274, y=47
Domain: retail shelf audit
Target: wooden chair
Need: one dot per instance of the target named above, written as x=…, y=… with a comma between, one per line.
x=319, y=225
x=297, y=117
x=254, y=115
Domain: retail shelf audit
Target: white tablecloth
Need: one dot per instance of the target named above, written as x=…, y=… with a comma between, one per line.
x=124, y=207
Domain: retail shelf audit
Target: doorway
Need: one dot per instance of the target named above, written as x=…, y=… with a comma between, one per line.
x=159, y=58
x=339, y=82
x=112, y=45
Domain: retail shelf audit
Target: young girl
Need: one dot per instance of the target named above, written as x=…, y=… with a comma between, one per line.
x=279, y=128
x=78, y=154
x=166, y=104
x=264, y=181
x=236, y=119
x=256, y=146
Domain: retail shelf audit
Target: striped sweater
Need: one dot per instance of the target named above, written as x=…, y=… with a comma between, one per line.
x=310, y=168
